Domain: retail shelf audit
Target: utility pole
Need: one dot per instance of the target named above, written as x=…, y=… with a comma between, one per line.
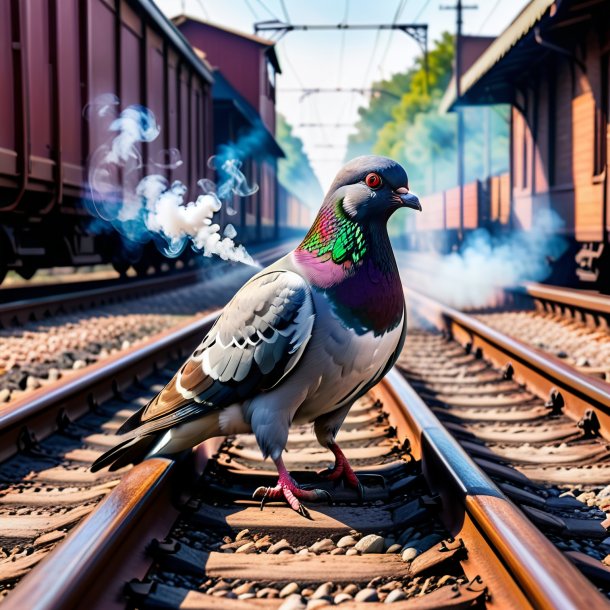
x=458, y=8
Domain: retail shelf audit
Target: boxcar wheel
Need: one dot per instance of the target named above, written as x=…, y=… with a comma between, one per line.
x=27, y=272
x=120, y=267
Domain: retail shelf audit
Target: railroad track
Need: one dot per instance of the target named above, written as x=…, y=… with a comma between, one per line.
x=539, y=428
x=570, y=324
x=23, y=305
x=442, y=533
x=85, y=328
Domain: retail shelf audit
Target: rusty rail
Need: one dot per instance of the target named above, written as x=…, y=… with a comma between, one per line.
x=571, y=297
x=22, y=310
x=542, y=372
x=544, y=576
x=107, y=291
x=41, y=412
x=521, y=567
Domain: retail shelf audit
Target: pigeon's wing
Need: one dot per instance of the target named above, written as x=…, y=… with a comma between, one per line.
x=253, y=345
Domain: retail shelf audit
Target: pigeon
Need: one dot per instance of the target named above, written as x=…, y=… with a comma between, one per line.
x=299, y=343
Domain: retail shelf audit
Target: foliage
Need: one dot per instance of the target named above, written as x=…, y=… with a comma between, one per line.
x=412, y=130
x=295, y=172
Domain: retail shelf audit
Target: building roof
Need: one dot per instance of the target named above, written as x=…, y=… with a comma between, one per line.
x=223, y=90
x=485, y=80
x=175, y=36
x=268, y=45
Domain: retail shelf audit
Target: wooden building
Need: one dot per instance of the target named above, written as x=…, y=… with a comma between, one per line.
x=551, y=65
x=245, y=67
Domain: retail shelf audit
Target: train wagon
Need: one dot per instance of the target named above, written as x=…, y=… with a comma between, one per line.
x=57, y=59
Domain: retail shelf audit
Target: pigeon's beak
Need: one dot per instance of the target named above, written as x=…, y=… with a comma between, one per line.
x=408, y=199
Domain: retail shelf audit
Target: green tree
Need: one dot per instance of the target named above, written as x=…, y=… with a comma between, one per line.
x=295, y=172
x=411, y=129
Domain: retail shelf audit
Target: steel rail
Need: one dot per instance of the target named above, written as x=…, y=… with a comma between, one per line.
x=45, y=410
x=540, y=371
x=546, y=578
x=105, y=291
x=24, y=309
x=588, y=301
x=520, y=565
x=71, y=397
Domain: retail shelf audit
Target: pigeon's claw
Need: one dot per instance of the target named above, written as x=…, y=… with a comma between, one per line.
x=342, y=472
x=289, y=491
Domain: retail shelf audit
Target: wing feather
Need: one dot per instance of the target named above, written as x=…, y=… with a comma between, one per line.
x=254, y=344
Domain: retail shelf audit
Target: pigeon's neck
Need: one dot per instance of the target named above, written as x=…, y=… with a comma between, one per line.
x=334, y=247
x=355, y=266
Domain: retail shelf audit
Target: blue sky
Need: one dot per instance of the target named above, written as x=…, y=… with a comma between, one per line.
x=341, y=58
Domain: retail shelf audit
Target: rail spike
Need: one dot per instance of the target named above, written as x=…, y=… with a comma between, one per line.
x=589, y=424
x=555, y=403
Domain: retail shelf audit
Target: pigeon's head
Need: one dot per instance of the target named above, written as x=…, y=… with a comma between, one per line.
x=372, y=187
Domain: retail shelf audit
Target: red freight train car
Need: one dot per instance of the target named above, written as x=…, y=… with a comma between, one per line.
x=55, y=58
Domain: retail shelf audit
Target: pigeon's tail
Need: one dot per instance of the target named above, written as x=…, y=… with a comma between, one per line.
x=131, y=451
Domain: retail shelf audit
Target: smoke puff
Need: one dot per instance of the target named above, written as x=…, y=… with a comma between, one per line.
x=486, y=265
x=151, y=208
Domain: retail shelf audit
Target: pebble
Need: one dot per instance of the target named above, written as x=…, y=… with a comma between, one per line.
x=233, y=545
x=395, y=596
x=427, y=542
x=79, y=364
x=338, y=552
x=366, y=595
x=5, y=394
x=351, y=551
x=425, y=586
x=346, y=541
x=324, y=590
x=267, y=593
x=322, y=546
x=278, y=546
x=370, y=544
x=247, y=587
x=263, y=543
x=445, y=580
x=395, y=548
x=342, y=597
x=33, y=383
x=293, y=602
x=350, y=589
x=249, y=547
x=242, y=534
x=246, y=596
x=289, y=589
x=409, y=554
x=604, y=493
x=53, y=374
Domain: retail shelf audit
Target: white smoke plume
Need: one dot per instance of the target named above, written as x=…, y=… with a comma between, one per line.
x=145, y=208
x=476, y=276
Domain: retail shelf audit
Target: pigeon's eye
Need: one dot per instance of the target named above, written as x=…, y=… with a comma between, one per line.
x=373, y=181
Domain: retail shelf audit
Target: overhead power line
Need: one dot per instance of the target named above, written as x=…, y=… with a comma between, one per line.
x=491, y=12
x=417, y=31
x=337, y=125
x=307, y=91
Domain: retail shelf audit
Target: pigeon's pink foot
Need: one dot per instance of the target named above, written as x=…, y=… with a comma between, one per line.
x=288, y=489
x=341, y=472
